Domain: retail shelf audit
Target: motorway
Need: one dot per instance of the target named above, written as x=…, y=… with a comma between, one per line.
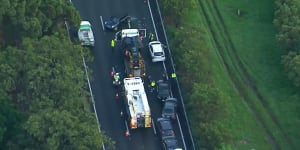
x=109, y=108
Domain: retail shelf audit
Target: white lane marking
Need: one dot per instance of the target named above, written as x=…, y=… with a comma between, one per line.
x=103, y=147
x=90, y=88
x=102, y=23
x=173, y=69
x=153, y=21
x=153, y=126
x=178, y=86
x=67, y=26
x=178, y=121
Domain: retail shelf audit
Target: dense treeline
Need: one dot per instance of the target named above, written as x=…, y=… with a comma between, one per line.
x=204, y=101
x=43, y=89
x=287, y=20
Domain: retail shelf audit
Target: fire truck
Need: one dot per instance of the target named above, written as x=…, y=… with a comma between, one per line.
x=136, y=103
x=131, y=43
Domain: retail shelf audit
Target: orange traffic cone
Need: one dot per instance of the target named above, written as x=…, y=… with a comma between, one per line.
x=117, y=96
x=127, y=133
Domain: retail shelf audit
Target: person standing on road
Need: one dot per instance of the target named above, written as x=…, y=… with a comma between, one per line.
x=152, y=85
x=173, y=75
x=151, y=37
x=112, y=44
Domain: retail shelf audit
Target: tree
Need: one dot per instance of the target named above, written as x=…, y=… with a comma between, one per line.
x=287, y=20
x=10, y=120
x=206, y=107
x=59, y=129
x=175, y=9
x=34, y=18
x=291, y=63
x=45, y=80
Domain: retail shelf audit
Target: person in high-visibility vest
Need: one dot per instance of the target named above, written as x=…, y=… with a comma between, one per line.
x=112, y=44
x=173, y=75
x=152, y=84
x=151, y=37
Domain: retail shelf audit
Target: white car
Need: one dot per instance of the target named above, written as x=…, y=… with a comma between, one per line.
x=157, y=51
x=85, y=34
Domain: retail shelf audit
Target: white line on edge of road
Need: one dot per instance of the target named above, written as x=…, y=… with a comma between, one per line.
x=189, y=128
x=102, y=23
x=152, y=20
x=178, y=121
x=91, y=92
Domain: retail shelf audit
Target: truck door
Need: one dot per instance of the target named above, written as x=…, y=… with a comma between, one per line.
x=118, y=36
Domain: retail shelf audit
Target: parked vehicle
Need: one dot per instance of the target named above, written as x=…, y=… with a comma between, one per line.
x=165, y=128
x=169, y=109
x=85, y=34
x=114, y=22
x=136, y=102
x=157, y=51
x=133, y=60
x=170, y=143
x=163, y=90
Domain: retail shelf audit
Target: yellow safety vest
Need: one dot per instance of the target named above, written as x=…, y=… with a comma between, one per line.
x=173, y=75
x=112, y=43
x=151, y=36
x=152, y=83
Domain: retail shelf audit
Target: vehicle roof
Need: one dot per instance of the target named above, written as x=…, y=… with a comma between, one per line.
x=169, y=104
x=163, y=90
x=171, y=99
x=157, y=47
x=130, y=33
x=85, y=25
x=171, y=142
x=165, y=123
x=163, y=86
x=136, y=96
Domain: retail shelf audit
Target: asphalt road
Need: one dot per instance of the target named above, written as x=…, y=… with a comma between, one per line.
x=109, y=108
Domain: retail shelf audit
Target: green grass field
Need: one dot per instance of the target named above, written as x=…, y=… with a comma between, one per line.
x=266, y=117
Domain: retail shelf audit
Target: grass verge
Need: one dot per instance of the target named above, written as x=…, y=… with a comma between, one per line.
x=241, y=122
x=261, y=104
x=253, y=35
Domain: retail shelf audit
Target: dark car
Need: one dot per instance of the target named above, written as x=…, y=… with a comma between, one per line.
x=170, y=143
x=163, y=90
x=169, y=109
x=114, y=22
x=165, y=128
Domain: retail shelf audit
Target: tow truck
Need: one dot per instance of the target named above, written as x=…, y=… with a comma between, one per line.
x=136, y=103
x=131, y=41
x=85, y=34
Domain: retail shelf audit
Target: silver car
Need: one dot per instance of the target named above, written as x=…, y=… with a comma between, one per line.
x=157, y=51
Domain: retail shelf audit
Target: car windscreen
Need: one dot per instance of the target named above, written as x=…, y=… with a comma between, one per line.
x=163, y=88
x=169, y=108
x=166, y=125
x=158, y=53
